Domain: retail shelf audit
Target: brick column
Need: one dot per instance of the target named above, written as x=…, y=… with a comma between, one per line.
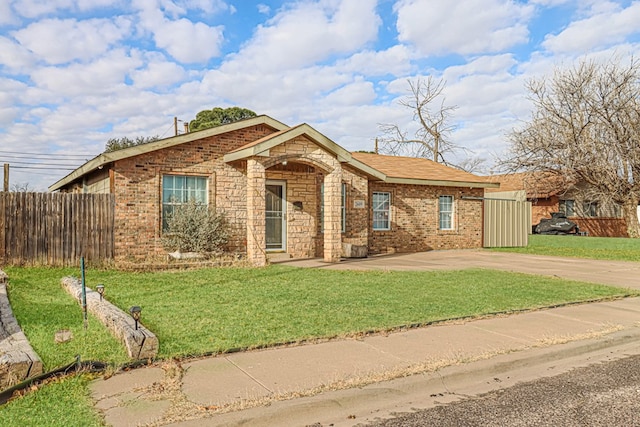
x=256, y=243
x=332, y=215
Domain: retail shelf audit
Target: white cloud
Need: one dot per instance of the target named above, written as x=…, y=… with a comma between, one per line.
x=292, y=92
x=157, y=73
x=90, y=70
x=15, y=57
x=100, y=77
x=360, y=92
x=86, y=5
x=184, y=40
x=189, y=42
x=6, y=14
x=609, y=24
x=209, y=6
x=465, y=27
x=59, y=41
x=396, y=61
x=307, y=33
x=35, y=8
x=11, y=92
x=494, y=64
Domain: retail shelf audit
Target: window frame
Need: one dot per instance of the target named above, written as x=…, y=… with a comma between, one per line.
x=590, y=209
x=449, y=213
x=167, y=207
x=566, y=203
x=375, y=221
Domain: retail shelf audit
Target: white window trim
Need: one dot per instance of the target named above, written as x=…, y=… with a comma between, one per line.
x=373, y=211
x=162, y=201
x=451, y=213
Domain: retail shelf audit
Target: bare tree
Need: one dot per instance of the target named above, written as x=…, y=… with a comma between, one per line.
x=431, y=139
x=475, y=165
x=586, y=127
x=21, y=187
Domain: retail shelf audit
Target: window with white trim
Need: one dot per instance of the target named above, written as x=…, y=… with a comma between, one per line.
x=381, y=204
x=178, y=190
x=445, y=212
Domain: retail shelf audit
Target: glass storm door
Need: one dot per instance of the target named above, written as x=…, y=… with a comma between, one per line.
x=275, y=215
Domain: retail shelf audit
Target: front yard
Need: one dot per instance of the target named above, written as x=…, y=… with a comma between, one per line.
x=217, y=310
x=605, y=248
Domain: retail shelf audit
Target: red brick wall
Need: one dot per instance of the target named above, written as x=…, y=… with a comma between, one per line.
x=415, y=222
x=602, y=227
x=542, y=208
x=138, y=189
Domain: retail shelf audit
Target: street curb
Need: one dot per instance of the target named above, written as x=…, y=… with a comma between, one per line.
x=353, y=407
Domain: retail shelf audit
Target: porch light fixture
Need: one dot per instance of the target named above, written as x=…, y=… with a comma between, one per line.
x=135, y=312
x=284, y=163
x=100, y=290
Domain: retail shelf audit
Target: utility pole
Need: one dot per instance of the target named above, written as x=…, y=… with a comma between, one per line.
x=6, y=177
x=175, y=125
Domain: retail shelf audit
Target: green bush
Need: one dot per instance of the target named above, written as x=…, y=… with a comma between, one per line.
x=196, y=228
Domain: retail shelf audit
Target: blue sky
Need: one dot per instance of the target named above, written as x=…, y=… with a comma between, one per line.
x=74, y=73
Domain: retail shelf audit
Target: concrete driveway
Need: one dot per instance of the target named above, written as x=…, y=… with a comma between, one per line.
x=617, y=273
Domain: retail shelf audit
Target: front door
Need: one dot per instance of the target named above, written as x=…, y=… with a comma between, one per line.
x=276, y=216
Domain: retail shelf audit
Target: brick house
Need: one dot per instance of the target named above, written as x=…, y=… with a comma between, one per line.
x=549, y=193
x=285, y=190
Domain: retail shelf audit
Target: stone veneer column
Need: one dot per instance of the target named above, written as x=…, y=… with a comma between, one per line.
x=256, y=243
x=332, y=215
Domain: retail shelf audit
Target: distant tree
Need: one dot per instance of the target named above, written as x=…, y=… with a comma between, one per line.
x=217, y=116
x=21, y=187
x=475, y=165
x=430, y=140
x=115, y=144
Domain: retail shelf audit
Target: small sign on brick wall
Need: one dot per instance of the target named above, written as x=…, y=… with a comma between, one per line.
x=358, y=204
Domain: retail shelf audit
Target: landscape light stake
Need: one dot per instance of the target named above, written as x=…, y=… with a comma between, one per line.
x=84, y=294
x=100, y=290
x=135, y=312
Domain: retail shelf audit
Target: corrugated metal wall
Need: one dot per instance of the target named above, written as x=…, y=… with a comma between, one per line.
x=507, y=223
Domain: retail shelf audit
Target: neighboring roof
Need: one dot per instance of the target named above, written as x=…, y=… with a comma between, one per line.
x=538, y=185
x=413, y=170
x=391, y=169
x=103, y=159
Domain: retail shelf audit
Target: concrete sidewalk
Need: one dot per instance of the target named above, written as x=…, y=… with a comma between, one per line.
x=352, y=381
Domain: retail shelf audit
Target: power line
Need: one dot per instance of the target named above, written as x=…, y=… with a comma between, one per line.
x=40, y=164
x=43, y=157
x=44, y=167
x=46, y=155
x=47, y=174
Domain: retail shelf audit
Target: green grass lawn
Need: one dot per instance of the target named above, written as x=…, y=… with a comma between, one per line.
x=606, y=248
x=216, y=310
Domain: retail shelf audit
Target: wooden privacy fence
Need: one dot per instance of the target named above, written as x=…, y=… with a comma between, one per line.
x=56, y=228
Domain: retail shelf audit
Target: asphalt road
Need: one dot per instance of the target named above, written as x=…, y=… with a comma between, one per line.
x=604, y=394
